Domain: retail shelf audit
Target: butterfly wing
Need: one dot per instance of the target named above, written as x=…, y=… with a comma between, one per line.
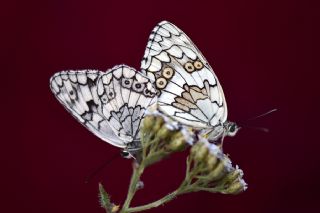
x=125, y=95
x=77, y=92
x=189, y=89
x=111, y=104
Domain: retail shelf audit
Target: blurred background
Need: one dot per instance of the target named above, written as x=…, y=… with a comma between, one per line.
x=263, y=52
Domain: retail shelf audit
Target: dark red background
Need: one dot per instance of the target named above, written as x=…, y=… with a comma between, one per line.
x=264, y=53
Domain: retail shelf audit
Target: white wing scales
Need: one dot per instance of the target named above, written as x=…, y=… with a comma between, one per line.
x=190, y=91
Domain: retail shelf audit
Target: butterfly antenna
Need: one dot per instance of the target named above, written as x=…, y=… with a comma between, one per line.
x=96, y=171
x=262, y=115
x=256, y=128
x=243, y=123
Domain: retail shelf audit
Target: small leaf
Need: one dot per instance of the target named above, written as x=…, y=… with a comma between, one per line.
x=104, y=199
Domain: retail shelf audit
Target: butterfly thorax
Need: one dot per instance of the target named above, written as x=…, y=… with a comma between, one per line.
x=215, y=133
x=227, y=128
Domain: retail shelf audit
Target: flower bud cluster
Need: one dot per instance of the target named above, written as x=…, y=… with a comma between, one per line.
x=160, y=136
x=208, y=168
x=211, y=170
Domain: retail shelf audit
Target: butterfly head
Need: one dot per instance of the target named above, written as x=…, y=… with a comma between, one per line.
x=231, y=128
x=125, y=154
x=133, y=150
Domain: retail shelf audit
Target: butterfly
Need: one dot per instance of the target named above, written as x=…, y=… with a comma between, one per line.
x=110, y=104
x=189, y=90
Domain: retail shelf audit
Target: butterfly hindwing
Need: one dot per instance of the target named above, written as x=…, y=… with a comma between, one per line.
x=77, y=92
x=125, y=95
x=189, y=89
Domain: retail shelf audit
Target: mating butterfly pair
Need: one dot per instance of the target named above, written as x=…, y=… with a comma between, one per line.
x=174, y=77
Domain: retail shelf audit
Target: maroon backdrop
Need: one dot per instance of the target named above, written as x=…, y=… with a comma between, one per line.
x=262, y=51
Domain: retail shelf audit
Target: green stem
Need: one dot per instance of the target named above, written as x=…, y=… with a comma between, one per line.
x=185, y=187
x=154, y=204
x=137, y=172
x=165, y=199
x=212, y=190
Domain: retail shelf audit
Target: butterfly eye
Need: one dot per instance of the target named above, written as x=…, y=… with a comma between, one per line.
x=198, y=65
x=125, y=154
x=161, y=83
x=232, y=128
x=189, y=67
x=167, y=72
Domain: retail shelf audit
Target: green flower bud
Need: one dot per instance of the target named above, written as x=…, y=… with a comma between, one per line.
x=194, y=149
x=201, y=153
x=157, y=124
x=236, y=187
x=148, y=123
x=163, y=132
x=177, y=144
x=211, y=162
x=233, y=176
x=218, y=172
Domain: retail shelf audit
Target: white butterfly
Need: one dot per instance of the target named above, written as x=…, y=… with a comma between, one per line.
x=110, y=104
x=189, y=89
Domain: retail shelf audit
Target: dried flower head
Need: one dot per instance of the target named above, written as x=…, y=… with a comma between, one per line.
x=211, y=170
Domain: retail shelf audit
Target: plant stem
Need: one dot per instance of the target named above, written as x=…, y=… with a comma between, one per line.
x=154, y=204
x=137, y=172
x=183, y=188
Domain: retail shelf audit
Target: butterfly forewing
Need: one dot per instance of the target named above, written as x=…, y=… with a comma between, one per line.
x=189, y=89
x=77, y=92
